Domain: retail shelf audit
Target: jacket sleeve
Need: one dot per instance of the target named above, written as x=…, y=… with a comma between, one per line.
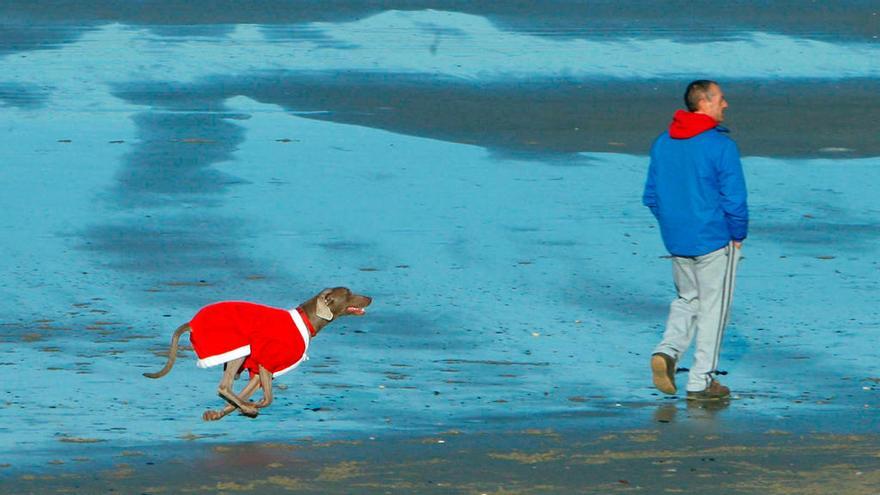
x=732, y=185
x=649, y=197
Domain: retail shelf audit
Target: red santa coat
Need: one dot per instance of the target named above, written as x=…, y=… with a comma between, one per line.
x=275, y=338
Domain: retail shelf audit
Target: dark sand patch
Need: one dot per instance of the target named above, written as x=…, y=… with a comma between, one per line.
x=80, y=440
x=21, y=96
x=550, y=120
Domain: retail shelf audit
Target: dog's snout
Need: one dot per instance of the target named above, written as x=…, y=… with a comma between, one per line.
x=360, y=301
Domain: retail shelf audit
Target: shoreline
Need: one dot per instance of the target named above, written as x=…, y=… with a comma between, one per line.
x=662, y=458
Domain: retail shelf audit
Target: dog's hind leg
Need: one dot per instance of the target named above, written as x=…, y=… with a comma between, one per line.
x=225, y=388
x=245, y=394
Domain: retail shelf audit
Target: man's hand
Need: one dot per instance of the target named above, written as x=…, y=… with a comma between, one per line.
x=738, y=244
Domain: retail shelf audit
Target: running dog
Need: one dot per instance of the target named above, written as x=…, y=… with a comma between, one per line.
x=266, y=341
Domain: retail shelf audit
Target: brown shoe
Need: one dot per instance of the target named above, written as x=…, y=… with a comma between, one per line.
x=715, y=391
x=663, y=367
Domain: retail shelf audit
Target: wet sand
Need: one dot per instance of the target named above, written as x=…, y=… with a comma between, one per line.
x=661, y=458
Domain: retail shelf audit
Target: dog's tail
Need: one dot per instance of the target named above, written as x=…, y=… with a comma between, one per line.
x=172, y=352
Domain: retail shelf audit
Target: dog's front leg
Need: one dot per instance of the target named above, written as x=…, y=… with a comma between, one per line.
x=225, y=388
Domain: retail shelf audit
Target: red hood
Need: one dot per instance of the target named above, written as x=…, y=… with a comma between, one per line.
x=688, y=124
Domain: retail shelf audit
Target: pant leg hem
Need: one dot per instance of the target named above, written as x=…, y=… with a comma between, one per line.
x=669, y=351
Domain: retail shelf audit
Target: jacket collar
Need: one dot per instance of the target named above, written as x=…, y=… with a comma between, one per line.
x=301, y=319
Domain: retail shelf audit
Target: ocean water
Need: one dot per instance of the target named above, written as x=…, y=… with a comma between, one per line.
x=148, y=169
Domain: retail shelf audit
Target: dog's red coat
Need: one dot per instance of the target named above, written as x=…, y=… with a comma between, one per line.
x=274, y=339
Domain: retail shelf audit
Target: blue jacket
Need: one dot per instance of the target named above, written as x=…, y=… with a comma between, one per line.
x=696, y=189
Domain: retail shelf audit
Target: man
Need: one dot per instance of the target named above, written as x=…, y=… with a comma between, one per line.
x=696, y=190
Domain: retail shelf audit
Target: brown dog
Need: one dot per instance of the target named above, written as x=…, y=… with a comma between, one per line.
x=266, y=341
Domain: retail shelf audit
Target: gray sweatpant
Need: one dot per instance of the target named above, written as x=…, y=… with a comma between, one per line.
x=705, y=290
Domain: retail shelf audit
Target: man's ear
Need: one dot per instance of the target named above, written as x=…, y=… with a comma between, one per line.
x=323, y=310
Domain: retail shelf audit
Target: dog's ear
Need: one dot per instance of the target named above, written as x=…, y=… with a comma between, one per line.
x=323, y=309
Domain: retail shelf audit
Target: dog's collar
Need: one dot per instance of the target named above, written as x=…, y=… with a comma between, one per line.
x=302, y=322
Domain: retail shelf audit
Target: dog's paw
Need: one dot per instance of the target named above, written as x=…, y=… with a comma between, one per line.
x=211, y=415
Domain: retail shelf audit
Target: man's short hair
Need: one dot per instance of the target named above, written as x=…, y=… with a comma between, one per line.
x=696, y=91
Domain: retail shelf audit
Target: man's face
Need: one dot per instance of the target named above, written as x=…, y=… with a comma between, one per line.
x=715, y=104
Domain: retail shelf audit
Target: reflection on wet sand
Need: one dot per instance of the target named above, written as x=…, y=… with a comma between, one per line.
x=669, y=411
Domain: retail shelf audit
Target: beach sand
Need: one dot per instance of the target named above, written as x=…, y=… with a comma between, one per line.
x=660, y=458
